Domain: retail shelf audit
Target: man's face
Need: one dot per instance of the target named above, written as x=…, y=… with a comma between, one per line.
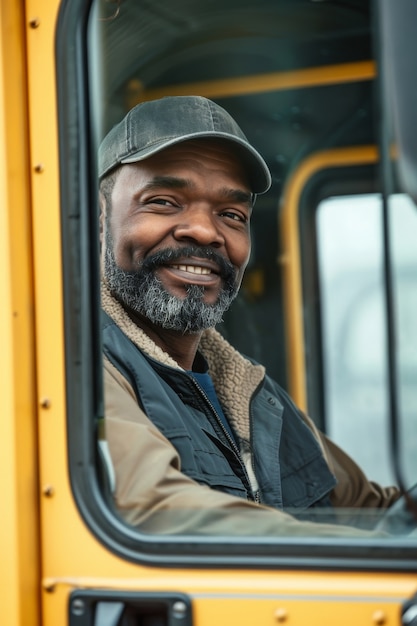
x=177, y=240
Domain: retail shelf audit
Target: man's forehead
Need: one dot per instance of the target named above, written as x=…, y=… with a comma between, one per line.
x=235, y=193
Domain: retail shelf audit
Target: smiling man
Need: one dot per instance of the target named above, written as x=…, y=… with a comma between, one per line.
x=200, y=439
x=177, y=252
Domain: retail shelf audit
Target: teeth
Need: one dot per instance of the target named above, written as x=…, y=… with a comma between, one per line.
x=192, y=269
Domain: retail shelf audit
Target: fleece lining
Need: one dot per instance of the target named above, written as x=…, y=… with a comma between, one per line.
x=235, y=378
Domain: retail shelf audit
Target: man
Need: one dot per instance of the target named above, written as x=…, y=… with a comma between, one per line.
x=201, y=440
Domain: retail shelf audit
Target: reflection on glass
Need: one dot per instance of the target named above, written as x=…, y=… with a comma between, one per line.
x=353, y=319
x=175, y=466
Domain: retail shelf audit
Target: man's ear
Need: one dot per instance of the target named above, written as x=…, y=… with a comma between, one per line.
x=102, y=218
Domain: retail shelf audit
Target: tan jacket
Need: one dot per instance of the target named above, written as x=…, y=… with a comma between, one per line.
x=150, y=491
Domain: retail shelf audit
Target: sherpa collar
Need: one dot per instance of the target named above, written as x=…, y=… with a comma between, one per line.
x=235, y=378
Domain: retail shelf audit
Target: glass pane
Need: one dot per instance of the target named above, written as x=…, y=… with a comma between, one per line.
x=354, y=327
x=403, y=221
x=141, y=51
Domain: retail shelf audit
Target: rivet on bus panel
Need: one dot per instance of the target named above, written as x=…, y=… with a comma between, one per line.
x=281, y=615
x=34, y=22
x=48, y=491
x=49, y=585
x=39, y=168
x=379, y=618
x=45, y=403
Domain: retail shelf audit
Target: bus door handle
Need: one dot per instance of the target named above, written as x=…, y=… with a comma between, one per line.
x=100, y=607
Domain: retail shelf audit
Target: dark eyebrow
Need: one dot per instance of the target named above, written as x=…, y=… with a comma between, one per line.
x=172, y=182
x=238, y=195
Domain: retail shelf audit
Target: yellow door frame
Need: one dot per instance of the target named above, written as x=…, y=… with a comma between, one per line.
x=19, y=537
x=290, y=257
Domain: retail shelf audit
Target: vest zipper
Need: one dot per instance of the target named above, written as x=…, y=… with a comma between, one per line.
x=254, y=496
x=257, y=493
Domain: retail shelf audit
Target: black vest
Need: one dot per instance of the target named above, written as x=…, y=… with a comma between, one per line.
x=287, y=460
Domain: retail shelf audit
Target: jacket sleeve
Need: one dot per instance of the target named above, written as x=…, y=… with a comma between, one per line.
x=152, y=494
x=353, y=489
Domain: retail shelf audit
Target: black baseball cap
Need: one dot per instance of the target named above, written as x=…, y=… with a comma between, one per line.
x=155, y=125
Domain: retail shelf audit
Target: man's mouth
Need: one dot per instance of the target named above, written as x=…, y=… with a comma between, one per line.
x=203, y=264
x=192, y=269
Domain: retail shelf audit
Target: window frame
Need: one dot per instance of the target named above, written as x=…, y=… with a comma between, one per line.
x=84, y=387
x=349, y=180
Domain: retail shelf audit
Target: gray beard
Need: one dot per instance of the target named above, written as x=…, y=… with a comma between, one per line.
x=143, y=292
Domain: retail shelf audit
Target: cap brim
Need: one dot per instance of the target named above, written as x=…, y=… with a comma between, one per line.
x=258, y=171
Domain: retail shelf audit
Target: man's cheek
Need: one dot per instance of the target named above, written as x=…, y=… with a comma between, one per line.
x=125, y=258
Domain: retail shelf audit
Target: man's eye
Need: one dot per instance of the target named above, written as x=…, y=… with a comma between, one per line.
x=237, y=217
x=162, y=201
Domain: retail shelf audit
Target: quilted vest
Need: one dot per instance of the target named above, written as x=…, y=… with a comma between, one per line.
x=287, y=460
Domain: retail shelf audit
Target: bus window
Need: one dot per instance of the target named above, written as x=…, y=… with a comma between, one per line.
x=354, y=327
x=293, y=96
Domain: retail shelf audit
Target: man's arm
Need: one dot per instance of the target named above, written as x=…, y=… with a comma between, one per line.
x=152, y=494
x=353, y=488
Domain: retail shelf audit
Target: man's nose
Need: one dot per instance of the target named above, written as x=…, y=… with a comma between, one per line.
x=200, y=225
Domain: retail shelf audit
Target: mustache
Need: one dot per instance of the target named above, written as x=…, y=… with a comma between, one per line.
x=171, y=255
